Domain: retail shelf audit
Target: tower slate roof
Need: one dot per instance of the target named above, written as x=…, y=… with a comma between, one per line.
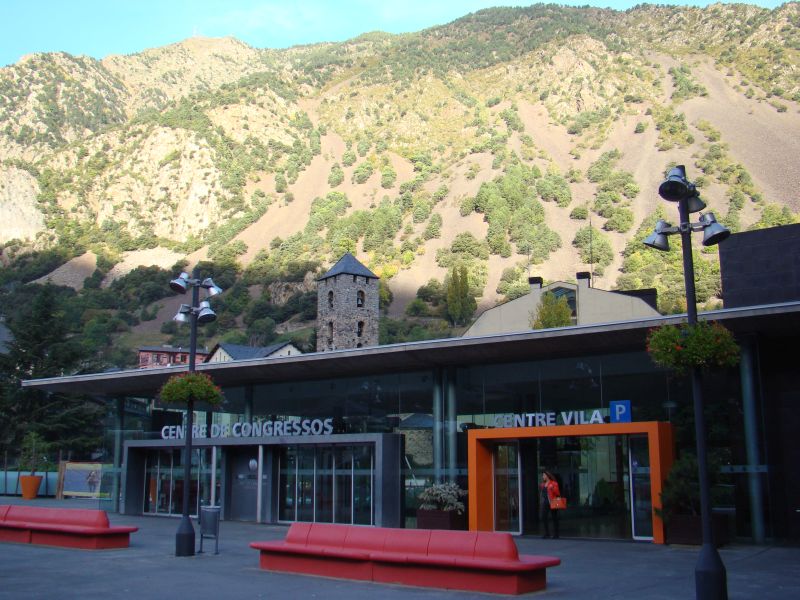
x=349, y=265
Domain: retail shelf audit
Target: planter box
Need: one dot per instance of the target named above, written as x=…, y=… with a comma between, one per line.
x=688, y=529
x=440, y=519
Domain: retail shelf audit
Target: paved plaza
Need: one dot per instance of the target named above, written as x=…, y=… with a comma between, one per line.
x=149, y=569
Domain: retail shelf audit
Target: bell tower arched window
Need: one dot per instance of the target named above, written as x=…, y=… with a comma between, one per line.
x=359, y=299
x=330, y=299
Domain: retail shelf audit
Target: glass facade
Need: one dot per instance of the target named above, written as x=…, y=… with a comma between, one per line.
x=606, y=479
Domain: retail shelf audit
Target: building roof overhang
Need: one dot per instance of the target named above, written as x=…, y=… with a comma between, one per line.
x=771, y=320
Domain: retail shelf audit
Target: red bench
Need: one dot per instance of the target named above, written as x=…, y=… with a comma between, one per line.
x=462, y=560
x=67, y=527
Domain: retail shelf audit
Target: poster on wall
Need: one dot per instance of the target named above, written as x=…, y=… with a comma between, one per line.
x=84, y=480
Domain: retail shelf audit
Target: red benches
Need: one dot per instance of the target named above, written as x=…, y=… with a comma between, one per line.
x=67, y=527
x=463, y=560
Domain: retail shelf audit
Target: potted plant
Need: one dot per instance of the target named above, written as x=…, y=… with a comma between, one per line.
x=704, y=345
x=181, y=388
x=680, y=504
x=441, y=507
x=31, y=458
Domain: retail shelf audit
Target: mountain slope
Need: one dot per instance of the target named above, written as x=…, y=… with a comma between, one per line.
x=514, y=141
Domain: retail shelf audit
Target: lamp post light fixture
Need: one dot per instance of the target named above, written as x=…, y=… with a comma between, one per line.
x=194, y=313
x=710, y=576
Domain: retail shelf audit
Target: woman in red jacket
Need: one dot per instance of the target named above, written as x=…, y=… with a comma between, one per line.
x=549, y=491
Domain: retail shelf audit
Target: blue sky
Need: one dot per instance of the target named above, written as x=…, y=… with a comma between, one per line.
x=102, y=27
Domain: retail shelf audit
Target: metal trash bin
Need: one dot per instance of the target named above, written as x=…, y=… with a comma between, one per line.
x=209, y=526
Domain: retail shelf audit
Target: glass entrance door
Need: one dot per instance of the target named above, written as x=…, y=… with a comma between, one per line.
x=592, y=474
x=287, y=494
x=641, y=503
x=326, y=484
x=163, y=482
x=506, y=488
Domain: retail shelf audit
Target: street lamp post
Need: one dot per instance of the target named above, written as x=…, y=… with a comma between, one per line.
x=710, y=574
x=197, y=312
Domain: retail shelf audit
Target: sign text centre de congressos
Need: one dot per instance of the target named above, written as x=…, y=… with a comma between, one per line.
x=254, y=429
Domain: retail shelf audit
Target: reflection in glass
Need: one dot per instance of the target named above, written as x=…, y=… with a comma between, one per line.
x=343, y=492
x=163, y=482
x=323, y=488
x=362, y=485
x=642, y=513
x=326, y=484
x=592, y=474
x=287, y=465
x=167, y=492
x=506, y=488
x=305, y=483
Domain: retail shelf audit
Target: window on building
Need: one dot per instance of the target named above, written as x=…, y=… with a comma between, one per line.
x=330, y=332
x=330, y=299
x=359, y=299
x=559, y=292
x=358, y=345
x=360, y=329
x=355, y=278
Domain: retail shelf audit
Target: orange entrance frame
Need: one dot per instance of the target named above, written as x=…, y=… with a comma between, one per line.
x=480, y=442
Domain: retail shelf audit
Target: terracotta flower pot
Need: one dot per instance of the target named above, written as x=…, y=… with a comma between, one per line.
x=30, y=485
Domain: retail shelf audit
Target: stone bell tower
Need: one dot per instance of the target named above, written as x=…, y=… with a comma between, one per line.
x=347, y=306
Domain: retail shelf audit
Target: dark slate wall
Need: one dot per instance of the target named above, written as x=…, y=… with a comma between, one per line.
x=761, y=267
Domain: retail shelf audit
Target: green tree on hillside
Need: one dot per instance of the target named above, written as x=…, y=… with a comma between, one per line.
x=461, y=303
x=594, y=248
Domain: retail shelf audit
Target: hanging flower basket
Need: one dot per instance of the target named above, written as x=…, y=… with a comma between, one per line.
x=704, y=346
x=179, y=389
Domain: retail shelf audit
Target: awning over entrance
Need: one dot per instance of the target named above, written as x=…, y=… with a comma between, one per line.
x=480, y=442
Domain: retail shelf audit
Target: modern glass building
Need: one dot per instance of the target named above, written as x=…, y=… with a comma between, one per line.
x=352, y=436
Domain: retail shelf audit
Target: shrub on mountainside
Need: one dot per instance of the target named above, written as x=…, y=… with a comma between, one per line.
x=594, y=248
x=336, y=176
x=391, y=331
x=621, y=220
x=512, y=120
x=554, y=188
x=513, y=283
x=363, y=172
x=348, y=158
x=672, y=129
x=388, y=177
x=685, y=86
x=580, y=213
x=643, y=267
x=434, y=227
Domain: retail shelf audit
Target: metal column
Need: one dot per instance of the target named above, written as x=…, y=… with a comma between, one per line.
x=119, y=423
x=747, y=373
x=452, y=425
x=438, y=393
